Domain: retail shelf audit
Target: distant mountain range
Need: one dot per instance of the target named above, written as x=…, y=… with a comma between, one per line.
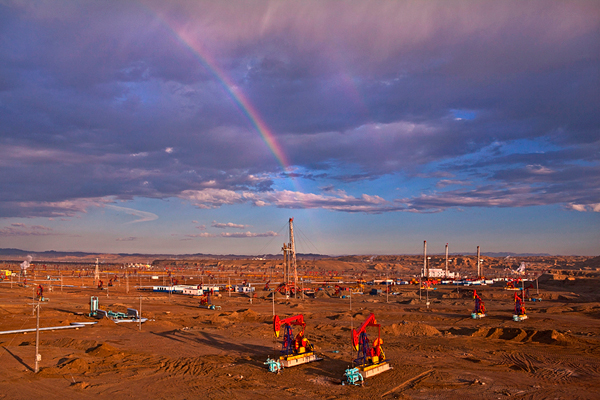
x=508, y=254
x=52, y=254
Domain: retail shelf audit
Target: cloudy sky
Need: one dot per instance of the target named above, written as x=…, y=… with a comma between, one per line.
x=202, y=126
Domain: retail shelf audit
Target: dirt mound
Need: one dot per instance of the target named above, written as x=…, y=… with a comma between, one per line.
x=105, y=322
x=410, y=294
x=80, y=385
x=276, y=294
x=558, y=310
x=411, y=329
x=452, y=295
x=525, y=335
x=195, y=366
x=322, y=294
x=102, y=350
x=342, y=316
x=411, y=301
x=569, y=297
x=70, y=343
x=218, y=319
x=75, y=366
x=461, y=331
x=552, y=337
x=245, y=315
x=364, y=314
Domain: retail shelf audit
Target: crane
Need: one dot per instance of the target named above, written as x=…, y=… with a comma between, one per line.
x=297, y=349
x=371, y=358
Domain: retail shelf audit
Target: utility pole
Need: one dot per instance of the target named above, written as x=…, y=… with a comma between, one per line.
x=425, y=267
x=351, y=318
x=387, y=288
x=478, y=263
x=96, y=274
x=140, y=316
x=37, y=339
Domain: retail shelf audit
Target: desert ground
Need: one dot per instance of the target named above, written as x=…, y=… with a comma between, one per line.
x=436, y=350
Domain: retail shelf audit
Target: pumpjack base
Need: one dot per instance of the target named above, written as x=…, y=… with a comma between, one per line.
x=292, y=361
x=210, y=307
x=518, y=318
x=375, y=369
x=477, y=315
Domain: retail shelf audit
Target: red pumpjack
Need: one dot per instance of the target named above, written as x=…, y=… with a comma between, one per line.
x=294, y=350
x=371, y=358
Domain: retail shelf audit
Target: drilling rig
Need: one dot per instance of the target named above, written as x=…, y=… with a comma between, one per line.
x=289, y=264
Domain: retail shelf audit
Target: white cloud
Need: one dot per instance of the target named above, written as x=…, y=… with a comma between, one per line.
x=247, y=234
x=539, y=169
x=337, y=201
x=143, y=216
x=584, y=207
x=20, y=229
x=233, y=235
x=212, y=198
x=222, y=225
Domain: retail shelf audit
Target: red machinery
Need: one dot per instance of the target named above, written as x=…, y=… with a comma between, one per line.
x=338, y=290
x=513, y=284
x=371, y=358
x=519, y=313
x=287, y=288
x=294, y=350
x=267, y=285
x=205, y=299
x=479, y=310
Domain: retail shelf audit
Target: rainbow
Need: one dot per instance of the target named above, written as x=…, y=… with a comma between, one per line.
x=240, y=100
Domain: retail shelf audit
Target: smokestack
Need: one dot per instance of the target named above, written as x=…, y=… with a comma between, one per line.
x=446, y=260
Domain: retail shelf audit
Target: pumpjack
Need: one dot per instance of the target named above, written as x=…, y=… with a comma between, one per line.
x=295, y=350
x=371, y=358
x=479, y=311
x=519, y=313
x=205, y=302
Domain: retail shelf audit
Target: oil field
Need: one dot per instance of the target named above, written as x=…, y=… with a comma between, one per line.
x=201, y=328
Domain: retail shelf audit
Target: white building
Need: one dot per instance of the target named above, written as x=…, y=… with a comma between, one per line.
x=441, y=273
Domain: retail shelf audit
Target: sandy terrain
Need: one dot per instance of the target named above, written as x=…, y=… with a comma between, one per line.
x=187, y=352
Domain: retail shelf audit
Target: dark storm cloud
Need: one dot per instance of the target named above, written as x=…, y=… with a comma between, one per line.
x=92, y=95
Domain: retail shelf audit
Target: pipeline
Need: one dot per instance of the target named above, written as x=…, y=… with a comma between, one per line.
x=74, y=325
